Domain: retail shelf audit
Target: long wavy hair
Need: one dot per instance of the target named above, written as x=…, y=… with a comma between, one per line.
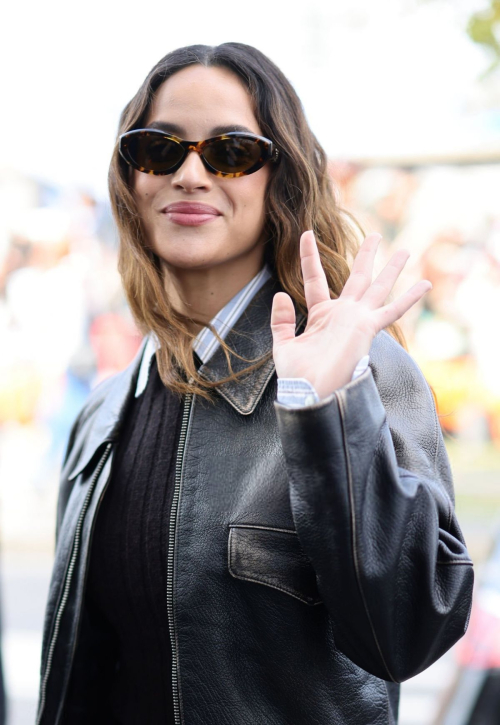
x=300, y=195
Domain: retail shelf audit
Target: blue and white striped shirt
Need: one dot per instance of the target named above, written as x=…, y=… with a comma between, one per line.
x=292, y=392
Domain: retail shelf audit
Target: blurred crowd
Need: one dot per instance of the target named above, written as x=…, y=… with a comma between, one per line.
x=65, y=325
x=448, y=217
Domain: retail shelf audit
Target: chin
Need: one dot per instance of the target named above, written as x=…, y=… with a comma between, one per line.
x=182, y=261
x=192, y=251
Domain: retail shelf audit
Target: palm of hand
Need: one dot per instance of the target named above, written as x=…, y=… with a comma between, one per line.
x=339, y=332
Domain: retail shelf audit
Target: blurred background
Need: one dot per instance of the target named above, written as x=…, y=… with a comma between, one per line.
x=405, y=97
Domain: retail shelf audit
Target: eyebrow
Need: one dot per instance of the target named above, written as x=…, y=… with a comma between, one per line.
x=176, y=130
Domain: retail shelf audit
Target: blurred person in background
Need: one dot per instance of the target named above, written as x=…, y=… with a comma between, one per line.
x=256, y=517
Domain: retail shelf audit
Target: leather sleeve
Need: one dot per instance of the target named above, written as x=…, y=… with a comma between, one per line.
x=372, y=500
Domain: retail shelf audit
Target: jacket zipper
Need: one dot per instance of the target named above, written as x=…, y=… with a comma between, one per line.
x=67, y=582
x=171, y=548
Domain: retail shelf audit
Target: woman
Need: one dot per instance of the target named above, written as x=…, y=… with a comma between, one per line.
x=253, y=560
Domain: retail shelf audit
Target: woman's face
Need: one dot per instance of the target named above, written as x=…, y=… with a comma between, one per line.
x=194, y=104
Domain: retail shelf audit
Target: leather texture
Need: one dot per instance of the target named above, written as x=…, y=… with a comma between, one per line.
x=318, y=559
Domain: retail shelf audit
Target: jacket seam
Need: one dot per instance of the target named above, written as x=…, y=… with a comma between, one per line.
x=468, y=562
x=79, y=619
x=52, y=637
x=436, y=431
x=437, y=428
x=50, y=634
x=353, y=532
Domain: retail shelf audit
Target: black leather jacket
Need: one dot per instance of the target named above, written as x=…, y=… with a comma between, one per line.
x=315, y=559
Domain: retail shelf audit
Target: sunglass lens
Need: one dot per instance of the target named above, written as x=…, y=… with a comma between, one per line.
x=233, y=154
x=154, y=152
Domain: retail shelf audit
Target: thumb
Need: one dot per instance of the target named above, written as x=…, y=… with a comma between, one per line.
x=282, y=318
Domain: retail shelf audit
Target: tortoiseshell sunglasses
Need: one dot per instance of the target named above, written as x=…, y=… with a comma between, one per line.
x=230, y=155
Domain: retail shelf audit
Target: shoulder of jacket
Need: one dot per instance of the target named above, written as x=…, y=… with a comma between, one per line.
x=396, y=372
x=115, y=388
x=98, y=396
x=100, y=416
x=386, y=349
x=84, y=423
x=411, y=413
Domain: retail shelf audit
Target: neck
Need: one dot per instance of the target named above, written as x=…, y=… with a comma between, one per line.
x=202, y=293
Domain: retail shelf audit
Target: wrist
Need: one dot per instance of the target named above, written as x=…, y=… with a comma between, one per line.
x=303, y=384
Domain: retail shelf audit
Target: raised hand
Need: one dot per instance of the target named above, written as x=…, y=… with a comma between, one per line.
x=339, y=332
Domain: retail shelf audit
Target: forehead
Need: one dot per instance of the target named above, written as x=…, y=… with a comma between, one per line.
x=197, y=97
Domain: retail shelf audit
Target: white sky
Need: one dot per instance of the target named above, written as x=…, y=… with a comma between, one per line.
x=375, y=76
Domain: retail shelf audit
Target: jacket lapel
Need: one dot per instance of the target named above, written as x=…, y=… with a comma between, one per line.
x=251, y=337
x=102, y=415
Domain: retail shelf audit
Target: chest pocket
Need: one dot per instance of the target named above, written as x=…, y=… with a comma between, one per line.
x=273, y=557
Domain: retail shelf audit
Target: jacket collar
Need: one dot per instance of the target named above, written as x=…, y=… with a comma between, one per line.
x=205, y=343
x=251, y=337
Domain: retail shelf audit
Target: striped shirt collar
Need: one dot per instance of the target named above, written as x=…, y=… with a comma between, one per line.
x=205, y=343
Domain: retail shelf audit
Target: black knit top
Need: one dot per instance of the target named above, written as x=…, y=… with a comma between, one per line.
x=127, y=582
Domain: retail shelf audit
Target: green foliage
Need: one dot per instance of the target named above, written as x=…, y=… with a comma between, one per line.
x=484, y=28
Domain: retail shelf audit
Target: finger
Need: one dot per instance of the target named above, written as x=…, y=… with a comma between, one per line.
x=395, y=310
x=362, y=268
x=315, y=282
x=381, y=287
x=282, y=318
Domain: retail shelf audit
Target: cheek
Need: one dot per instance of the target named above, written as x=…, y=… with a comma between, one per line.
x=253, y=194
x=144, y=190
x=142, y=184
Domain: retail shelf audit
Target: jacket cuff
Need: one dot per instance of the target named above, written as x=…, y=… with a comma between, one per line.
x=364, y=403
x=296, y=392
x=299, y=392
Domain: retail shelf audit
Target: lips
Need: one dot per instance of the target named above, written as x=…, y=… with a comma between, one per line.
x=190, y=213
x=190, y=207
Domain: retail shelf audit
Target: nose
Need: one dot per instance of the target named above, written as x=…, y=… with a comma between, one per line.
x=192, y=174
